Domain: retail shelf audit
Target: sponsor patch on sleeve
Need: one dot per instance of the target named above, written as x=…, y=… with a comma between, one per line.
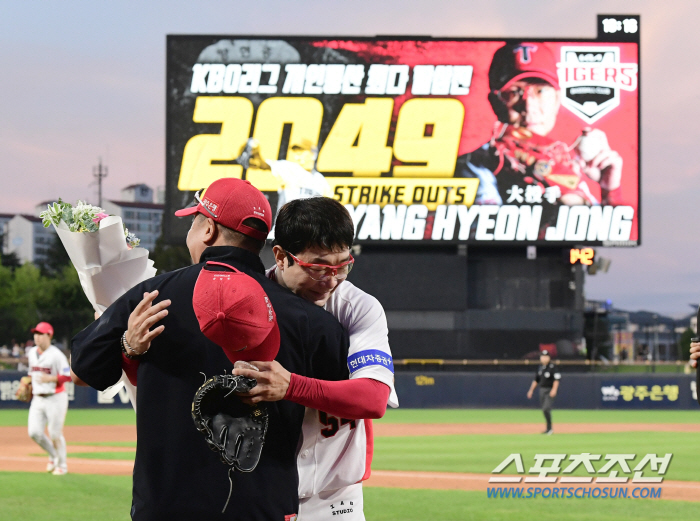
x=370, y=357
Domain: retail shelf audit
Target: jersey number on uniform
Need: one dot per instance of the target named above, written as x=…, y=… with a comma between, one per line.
x=333, y=424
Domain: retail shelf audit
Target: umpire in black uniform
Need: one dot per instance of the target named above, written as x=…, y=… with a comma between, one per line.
x=547, y=377
x=176, y=476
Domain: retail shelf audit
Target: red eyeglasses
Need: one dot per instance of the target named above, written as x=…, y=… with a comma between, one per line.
x=323, y=272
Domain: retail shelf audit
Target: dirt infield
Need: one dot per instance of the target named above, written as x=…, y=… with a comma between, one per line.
x=19, y=453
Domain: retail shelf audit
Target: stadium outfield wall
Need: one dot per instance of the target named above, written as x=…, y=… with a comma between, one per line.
x=577, y=391
x=469, y=390
x=79, y=397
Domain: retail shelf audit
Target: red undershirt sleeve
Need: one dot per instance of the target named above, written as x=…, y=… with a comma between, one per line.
x=361, y=398
x=131, y=368
x=60, y=379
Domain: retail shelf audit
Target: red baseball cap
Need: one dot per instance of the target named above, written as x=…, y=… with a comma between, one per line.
x=229, y=202
x=518, y=61
x=234, y=312
x=43, y=328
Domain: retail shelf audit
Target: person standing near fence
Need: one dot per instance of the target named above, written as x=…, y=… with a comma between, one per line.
x=547, y=377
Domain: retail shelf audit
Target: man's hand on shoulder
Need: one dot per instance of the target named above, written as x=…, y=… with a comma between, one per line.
x=273, y=381
x=139, y=335
x=694, y=353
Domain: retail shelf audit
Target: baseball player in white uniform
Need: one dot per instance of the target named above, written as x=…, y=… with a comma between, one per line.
x=336, y=450
x=332, y=465
x=49, y=370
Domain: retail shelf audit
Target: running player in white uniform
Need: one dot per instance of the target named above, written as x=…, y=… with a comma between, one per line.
x=49, y=370
x=337, y=443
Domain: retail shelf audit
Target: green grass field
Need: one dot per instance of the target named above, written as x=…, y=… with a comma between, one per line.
x=18, y=417
x=535, y=416
x=482, y=453
x=108, y=498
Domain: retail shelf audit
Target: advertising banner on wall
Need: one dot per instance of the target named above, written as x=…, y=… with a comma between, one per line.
x=78, y=397
x=423, y=139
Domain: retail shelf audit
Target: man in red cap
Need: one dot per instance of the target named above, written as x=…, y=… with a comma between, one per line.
x=520, y=164
x=524, y=87
x=49, y=370
x=176, y=475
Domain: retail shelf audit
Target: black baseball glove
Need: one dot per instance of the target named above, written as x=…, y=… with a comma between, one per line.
x=233, y=429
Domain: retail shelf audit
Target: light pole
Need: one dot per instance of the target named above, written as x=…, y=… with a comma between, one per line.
x=100, y=172
x=655, y=355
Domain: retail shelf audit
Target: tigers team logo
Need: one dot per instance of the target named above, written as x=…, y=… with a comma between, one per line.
x=591, y=78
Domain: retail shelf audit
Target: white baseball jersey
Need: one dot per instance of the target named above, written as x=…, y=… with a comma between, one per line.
x=336, y=453
x=50, y=362
x=298, y=183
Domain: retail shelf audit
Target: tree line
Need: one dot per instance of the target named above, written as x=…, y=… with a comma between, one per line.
x=50, y=291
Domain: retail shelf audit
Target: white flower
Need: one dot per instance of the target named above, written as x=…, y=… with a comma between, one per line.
x=82, y=217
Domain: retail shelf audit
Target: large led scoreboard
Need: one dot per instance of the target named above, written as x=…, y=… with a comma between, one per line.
x=480, y=173
x=425, y=140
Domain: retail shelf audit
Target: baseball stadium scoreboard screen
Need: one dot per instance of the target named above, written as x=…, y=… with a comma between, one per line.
x=429, y=140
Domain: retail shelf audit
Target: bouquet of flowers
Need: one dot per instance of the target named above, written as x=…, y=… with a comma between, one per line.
x=105, y=255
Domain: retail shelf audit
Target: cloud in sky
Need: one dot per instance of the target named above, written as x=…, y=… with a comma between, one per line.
x=85, y=79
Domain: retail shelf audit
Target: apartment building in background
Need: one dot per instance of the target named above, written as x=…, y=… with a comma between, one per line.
x=26, y=236
x=139, y=212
